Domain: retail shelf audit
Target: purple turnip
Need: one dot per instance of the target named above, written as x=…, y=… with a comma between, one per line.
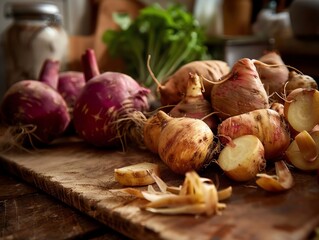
x=36, y=105
x=106, y=99
x=70, y=85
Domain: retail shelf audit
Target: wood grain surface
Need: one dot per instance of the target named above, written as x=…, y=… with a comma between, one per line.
x=81, y=176
x=27, y=212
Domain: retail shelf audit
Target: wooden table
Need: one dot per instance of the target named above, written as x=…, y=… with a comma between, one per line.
x=28, y=213
x=81, y=177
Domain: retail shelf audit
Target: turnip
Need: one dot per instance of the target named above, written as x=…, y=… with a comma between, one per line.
x=185, y=144
x=151, y=132
x=298, y=80
x=266, y=124
x=70, y=85
x=273, y=73
x=194, y=104
x=240, y=91
x=173, y=89
x=239, y=163
x=301, y=109
x=105, y=101
x=35, y=103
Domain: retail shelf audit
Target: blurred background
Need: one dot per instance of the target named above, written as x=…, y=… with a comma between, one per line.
x=234, y=29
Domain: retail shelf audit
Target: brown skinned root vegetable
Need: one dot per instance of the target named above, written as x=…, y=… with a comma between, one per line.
x=278, y=107
x=194, y=105
x=266, y=124
x=301, y=109
x=151, y=132
x=243, y=158
x=302, y=153
x=137, y=175
x=240, y=91
x=282, y=181
x=273, y=73
x=185, y=144
x=298, y=80
x=173, y=89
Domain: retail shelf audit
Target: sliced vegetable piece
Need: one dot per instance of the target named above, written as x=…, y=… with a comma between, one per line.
x=302, y=109
x=242, y=159
x=282, y=181
x=137, y=174
x=296, y=157
x=307, y=146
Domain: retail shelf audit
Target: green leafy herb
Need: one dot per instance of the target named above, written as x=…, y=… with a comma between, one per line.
x=172, y=37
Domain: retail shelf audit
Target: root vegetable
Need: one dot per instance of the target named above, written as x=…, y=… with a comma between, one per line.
x=301, y=109
x=240, y=91
x=282, y=181
x=137, y=175
x=104, y=101
x=273, y=73
x=70, y=85
x=151, y=132
x=278, y=107
x=35, y=103
x=185, y=144
x=239, y=163
x=174, y=87
x=302, y=157
x=266, y=124
x=194, y=105
x=298, y=80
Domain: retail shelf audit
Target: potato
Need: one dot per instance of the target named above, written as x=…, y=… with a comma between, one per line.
x=243, y=158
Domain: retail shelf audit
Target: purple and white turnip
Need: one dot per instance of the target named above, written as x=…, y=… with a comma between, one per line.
x=36, y=103
x=106, y=99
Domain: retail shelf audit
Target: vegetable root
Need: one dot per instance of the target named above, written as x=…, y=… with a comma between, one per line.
x=266, y=124
x=174, y=87
x=194, y=105
x=240, y=91
x=185, y=144
x=273, y=73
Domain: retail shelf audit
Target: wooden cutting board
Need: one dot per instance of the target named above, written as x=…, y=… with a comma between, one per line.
x=81, y=176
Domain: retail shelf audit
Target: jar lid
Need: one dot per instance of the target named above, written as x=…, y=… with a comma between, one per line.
x=17, y=9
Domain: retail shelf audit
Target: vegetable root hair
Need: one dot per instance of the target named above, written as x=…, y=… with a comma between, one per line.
x=214, y=150
x=151, y=72
x=14, y=137
x=276, y=65
x=130, y=127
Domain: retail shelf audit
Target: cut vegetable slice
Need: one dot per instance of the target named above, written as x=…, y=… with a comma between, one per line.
x=307, y=146
x=136, y=175
x=296, y=156
x=243, y=159
x=302, y=109
x=282, y=181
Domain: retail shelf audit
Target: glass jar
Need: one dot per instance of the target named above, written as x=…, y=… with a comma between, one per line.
x=35, y=35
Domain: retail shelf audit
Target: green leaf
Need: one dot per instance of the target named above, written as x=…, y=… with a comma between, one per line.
x=171, y=36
